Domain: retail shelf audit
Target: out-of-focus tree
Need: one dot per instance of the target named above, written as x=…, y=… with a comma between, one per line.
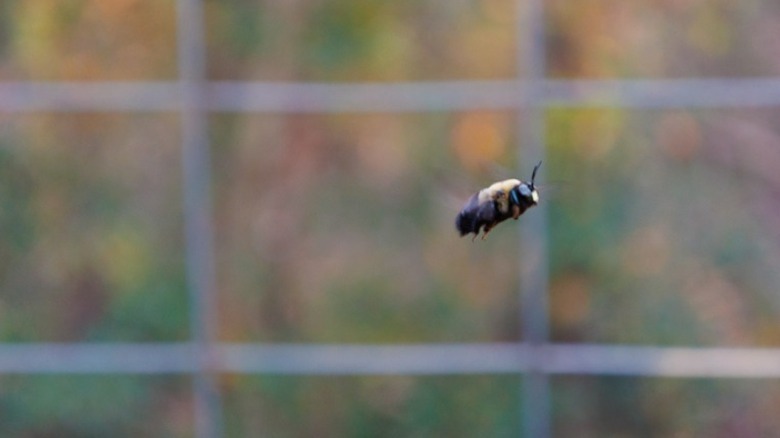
x=88, y=40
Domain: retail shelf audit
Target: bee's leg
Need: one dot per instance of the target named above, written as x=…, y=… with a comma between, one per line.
x=515, y=212
x=487, y=230
x=476, y=232
x=475, y=226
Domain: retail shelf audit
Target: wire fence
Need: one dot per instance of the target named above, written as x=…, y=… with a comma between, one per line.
x=281, y=98
x=418, y=359
x=193, y=97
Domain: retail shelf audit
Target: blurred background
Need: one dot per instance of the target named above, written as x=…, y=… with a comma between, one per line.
x=332, y=220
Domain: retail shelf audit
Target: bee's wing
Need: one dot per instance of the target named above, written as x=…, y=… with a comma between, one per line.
x=454, y=191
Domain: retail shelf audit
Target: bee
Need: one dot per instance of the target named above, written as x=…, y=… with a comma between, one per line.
x=495, y=204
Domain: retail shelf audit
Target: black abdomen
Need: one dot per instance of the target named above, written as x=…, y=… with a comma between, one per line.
x=465, y=224
x=474, y=216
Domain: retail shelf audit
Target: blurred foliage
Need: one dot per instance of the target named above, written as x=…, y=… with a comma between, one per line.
x=664, y=227
x=667, y=38
x=87, y=40
x=387, y=406
x=339, y=227
x=93, y=406
x=368, y=40
x=629, y=406
x=91, y=226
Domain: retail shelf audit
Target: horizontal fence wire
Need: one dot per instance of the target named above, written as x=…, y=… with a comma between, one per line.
x=282, y=97
x=419, y=359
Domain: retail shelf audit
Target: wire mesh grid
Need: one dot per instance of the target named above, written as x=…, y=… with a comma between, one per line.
x=193, y=97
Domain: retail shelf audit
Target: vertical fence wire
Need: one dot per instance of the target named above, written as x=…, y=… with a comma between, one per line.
x=197, y=215
x=533, y=235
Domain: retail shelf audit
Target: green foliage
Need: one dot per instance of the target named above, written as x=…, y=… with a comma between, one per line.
x=374, y=406
x=88, y=406
x=619, y=406
x=16, y=189
x=154, y=310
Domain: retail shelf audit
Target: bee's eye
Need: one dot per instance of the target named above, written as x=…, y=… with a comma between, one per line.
x=524, y=190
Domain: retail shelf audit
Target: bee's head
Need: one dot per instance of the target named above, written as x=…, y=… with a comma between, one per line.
x=525, y=194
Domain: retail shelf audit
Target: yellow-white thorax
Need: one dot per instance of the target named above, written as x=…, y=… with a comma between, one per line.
x=499, y=192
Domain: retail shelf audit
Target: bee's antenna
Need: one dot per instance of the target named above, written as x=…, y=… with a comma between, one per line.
x=533, y=175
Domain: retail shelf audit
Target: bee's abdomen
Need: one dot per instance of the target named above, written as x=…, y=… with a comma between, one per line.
x=475, y=215
x=465, y=223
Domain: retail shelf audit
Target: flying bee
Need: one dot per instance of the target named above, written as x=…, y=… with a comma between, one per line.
x=495, y=204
